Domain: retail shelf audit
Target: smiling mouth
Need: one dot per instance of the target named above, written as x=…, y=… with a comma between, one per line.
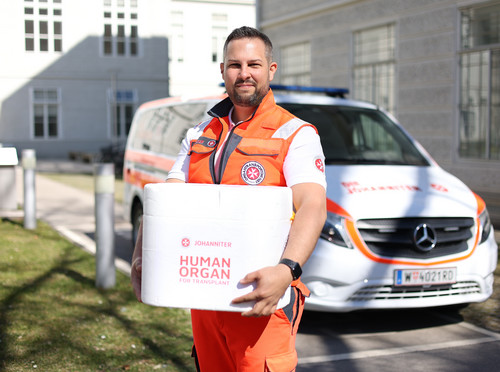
x=245, y=84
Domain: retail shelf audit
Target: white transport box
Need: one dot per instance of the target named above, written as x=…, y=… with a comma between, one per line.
x=200, y=240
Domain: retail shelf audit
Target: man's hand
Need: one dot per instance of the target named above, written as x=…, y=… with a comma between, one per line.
x=271, y=283
x=136, y=267
x=136, y=276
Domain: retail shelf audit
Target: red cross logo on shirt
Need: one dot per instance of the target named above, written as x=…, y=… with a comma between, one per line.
x=253, y=173
x=319, y=164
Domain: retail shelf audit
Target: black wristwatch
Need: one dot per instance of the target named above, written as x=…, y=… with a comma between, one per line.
x=294, y=267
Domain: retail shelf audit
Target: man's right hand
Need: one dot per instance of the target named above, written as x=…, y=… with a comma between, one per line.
x=136, y=277
x=136, y=268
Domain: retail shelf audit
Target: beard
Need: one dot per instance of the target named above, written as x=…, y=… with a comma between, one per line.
x=248, y=100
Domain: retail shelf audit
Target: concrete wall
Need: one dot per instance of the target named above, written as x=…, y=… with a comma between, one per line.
x=427, y=45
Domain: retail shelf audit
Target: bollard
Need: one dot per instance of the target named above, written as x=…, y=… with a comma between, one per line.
x=104, y=182
x=29, y=165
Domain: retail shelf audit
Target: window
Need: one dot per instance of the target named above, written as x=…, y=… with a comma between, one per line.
x=296, y=64
x=120, y=40
x=479, y=104
x=46, y=104
x=134, y=40
x=219, y=34
x=57, y=36
x=121, y=34
x=29, y=35
x=374, y=66
x=176, y=44
x=162, y=129
x=44, y=36
x=43, y=27
x=122, y=107
x=353, y=135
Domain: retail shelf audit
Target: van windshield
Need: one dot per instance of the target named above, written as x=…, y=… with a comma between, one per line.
x=353, y=135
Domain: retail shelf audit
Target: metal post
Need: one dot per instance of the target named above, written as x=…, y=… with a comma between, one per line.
x=104, y=177
x=29, y=165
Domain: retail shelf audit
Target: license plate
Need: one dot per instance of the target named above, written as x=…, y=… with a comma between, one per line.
x=425, y=276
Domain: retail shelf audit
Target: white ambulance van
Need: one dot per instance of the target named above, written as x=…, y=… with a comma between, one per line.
x=401, y=232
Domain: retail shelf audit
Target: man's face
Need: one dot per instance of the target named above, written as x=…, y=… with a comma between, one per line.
x=247, y=72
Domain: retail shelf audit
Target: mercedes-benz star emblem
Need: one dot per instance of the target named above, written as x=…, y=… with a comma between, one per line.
x=425, y=237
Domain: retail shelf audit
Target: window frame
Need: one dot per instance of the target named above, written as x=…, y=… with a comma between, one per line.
x=477, y=105
x=123, y=40
x=43, y=18
x=383, y=64
x=296, y=70
x=117, y=124
x=45, y=103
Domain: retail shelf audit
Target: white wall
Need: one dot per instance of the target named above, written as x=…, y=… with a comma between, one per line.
x=84, y=76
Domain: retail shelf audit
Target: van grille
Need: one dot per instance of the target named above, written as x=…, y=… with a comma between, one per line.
x=388, y=292
x=395, y=237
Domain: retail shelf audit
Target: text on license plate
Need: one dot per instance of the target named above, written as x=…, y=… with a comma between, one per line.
x=425, y=276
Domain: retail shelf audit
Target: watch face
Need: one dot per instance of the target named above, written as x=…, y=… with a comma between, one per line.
x=294, y=267
x=297, y=271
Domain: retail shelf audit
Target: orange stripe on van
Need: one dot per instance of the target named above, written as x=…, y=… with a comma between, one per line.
x=333, y=207
x=360, y=244
x=140, y=178
x=481, y=205
x=153, y=160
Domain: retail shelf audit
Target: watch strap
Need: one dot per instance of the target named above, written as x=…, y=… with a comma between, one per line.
x=294, y=267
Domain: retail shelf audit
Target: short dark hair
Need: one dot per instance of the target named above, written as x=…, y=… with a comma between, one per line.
x=250, y=33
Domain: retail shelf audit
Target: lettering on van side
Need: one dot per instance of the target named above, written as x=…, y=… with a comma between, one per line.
x=355, y=187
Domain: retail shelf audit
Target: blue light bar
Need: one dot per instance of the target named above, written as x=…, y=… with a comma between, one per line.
x=333, y=92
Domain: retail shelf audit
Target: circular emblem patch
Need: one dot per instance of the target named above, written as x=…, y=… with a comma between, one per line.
x=318, y=162
x=185, y=242
x=253, y=173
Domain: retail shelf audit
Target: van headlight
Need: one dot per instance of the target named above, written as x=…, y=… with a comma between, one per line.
x=334, y=231
x=484, y=220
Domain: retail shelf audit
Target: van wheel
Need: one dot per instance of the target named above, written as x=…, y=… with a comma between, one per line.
x=136, y=222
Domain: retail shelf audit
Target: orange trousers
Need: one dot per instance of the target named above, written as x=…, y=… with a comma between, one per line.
x=226, y=341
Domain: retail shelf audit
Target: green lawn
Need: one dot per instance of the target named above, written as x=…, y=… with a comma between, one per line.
x=84, y=182
x=52, y=317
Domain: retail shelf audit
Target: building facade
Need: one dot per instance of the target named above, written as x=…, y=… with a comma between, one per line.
x=73, y=72
x=434, y=64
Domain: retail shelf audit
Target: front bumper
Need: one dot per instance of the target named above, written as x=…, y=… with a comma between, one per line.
x=343, y=280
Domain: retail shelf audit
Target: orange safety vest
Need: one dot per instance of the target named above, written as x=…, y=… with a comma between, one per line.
x=254, y=151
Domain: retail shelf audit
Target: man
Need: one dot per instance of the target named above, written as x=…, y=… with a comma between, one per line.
x=249, y=129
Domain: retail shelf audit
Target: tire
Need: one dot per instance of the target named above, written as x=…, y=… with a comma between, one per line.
x=136, y=221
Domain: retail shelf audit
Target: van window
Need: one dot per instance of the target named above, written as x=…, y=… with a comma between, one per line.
x=353, y=135
x=162, y=129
